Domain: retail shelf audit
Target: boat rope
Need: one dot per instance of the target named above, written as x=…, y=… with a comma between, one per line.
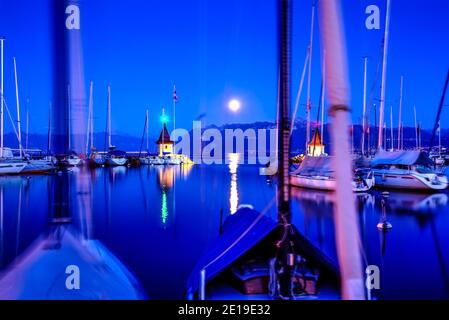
x=12, y=121
x=259, y=217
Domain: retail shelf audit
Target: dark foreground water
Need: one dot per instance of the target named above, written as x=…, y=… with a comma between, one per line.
x=158, y=221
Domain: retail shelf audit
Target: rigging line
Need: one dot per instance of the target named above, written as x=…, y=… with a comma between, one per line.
x=11, y=119
x=261, y=215
x=298, y=96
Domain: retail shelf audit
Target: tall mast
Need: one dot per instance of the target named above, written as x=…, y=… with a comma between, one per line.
x=391, y=128
x=400, y=137
x=109, y=117
x=19, y=134
x=49, y=130
x=1, y=97
x=323, y=95
x=69, y=127
x=148, y=132
x=92, y=115
x=283, y=188
x=90, y=134
x=384, y=74
x=439, y=138
x=364, y=106
x=416, y=126
x=175, y=99
x=309, y=102
x=345, y=217
x=27, y=123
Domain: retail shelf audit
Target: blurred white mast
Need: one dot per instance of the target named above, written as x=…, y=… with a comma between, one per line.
x=364, y=106
x=19, y=134
x=384, y=74
x=400, y=137
x=309, y=102
x=346, y=221
x=1, y=97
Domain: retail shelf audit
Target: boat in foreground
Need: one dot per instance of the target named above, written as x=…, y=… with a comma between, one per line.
x=242, y=263
x=408, y=170
x=116, y=158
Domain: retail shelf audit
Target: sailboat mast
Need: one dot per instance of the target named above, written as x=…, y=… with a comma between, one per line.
x=384, y=73
x=90, y=121
x=346, y=221
x=109, y=117
x=364, y=106
x=284, y=217
x=92, y=116
x=147, y=132
x=27, y=124
x=309, y=102
x=69, y=102
x=2, y=40
x=391, y=129
x=400, y=146
x=416, y=126
x=49, y=130
x=323, y=95
x=19, y=134
x=439, y=138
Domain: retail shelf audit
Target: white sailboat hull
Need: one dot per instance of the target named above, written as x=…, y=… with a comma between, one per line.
x=410, y=180
x=11, y=167
x=116, y=162
x=326, y=183
x=74, y=162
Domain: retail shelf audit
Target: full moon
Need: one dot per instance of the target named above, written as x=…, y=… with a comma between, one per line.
x=234, y=105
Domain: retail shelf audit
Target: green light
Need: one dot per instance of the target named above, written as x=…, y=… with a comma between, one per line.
x=164, y=118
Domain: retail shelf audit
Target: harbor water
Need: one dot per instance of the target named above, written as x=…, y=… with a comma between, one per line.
x=158, y=220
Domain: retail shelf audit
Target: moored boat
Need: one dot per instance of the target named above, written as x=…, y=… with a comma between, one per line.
x=116, y=158
x=409, y=170
x=317, y=173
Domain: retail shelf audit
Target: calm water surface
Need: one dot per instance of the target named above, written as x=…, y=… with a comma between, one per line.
x=159, y=220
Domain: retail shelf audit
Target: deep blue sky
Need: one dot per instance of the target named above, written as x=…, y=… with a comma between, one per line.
x=215, y=50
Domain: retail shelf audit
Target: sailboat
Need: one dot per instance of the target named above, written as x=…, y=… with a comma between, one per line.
x=96, y=159
x=8, y=165
x=114, y=157
x=412, y=170
x=33, y=166
x=317, y=173
x=437, y=157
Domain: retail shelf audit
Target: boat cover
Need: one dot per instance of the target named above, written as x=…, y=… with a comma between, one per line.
x=315, y=166
x=232, y=244
x=405, y=158
x=117, y=153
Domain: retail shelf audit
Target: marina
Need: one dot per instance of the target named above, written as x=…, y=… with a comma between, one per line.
x=258, y=174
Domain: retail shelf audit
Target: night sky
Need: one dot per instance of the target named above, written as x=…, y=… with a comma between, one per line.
x=216, y=50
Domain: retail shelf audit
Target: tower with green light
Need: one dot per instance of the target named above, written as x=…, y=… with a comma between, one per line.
x=165, y=144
